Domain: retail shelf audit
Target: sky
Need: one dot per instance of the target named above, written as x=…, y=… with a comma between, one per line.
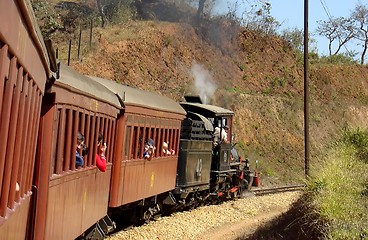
x=290, y=13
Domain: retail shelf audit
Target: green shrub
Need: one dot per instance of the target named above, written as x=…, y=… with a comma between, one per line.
x=338, y=58
x=338, y=186
x=358, y=139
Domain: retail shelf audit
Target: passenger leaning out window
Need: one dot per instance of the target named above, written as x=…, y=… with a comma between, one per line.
x=100, y=155
x=166, y=150
x=149, y=149
x=81, y=147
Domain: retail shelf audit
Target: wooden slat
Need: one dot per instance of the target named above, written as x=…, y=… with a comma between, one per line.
x=113, y=139
x=92, y=152
x=109, y=139
x=68, y=140
x=26, y=92
x=135, y=141
x=74, y=138
x=4, y=72
x=160, y=140
x=82, y=126
x=87, y=162
x=13, y=138
x=54, y=137
x=37, y=113
x=94, y=139
x=106, y=135
x=60, y=141
x=6, y=166
x=30, y=138
x=20, y=134
x=131, y=137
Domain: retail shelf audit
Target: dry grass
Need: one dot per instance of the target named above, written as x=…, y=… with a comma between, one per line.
x=339, y=191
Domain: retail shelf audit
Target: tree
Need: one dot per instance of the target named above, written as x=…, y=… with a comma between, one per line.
x=340, y=30
x=200, y=10
x=48, y=20
x=259, y=17
x=360, y=16
x=116, y=11
x=295, y=37
x=100, y=7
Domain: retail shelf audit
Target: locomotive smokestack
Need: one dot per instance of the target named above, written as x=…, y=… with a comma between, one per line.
x=193, y=99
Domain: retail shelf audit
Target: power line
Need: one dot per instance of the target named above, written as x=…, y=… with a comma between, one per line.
x=324, y=5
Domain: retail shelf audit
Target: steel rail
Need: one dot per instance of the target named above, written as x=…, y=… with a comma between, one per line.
x=274, y=190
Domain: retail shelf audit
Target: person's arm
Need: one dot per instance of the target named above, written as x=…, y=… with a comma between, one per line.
x=101, y=162
x=78, y=160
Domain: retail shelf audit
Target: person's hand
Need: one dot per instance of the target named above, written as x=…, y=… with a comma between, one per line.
x=103, y=149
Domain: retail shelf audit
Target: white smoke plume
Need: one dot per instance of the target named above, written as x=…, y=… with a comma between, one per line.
x=203, y=82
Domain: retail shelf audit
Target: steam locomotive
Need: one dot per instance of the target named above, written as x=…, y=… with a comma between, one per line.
x=45, y=104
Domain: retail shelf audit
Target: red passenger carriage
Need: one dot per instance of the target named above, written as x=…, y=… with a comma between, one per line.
x=70, y=200
x=135, y=180
x=24, y=71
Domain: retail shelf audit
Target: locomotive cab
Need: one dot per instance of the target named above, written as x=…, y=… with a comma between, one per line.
x=206, y=168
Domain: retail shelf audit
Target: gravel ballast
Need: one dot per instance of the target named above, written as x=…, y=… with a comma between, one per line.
x=225, y=221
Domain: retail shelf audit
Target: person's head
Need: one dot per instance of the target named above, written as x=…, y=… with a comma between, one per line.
x=81, y=144
x=226, y=127
x=100, y=139
x=101, y=145
x=80, y=140
x=165, y=145
x=150, y=142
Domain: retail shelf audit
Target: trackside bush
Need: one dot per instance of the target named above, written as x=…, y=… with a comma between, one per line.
x=338, y=188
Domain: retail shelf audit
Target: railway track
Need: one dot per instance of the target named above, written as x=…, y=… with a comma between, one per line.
x=266, y=191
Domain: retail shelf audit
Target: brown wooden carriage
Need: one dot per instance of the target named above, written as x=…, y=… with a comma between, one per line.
x=24, y=71
x=69, y=200
x=145, y=115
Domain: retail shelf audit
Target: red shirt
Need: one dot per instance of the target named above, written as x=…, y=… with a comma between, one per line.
x=101, y=162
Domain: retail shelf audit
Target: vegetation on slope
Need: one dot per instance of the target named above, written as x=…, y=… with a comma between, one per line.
x=257, y=75
x=339, y=188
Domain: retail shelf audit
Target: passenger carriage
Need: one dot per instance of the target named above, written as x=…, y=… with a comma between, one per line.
x=24, y=72
x=70, y=200
x=137, y=181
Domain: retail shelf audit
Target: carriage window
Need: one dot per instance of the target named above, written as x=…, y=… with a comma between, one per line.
x=224, y=122
x=75, y=138
x=152, y=134
x=147, y=133
x=127, y=140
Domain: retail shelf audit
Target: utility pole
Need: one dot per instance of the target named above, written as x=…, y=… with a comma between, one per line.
x=306, y=92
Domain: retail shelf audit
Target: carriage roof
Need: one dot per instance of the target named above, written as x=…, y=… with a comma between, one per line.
x=133, y=96
x=73, y=80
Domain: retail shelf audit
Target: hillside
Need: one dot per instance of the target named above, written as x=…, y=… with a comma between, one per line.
x=257, y=76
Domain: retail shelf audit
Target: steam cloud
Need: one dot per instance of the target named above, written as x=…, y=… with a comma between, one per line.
x=203, y=82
